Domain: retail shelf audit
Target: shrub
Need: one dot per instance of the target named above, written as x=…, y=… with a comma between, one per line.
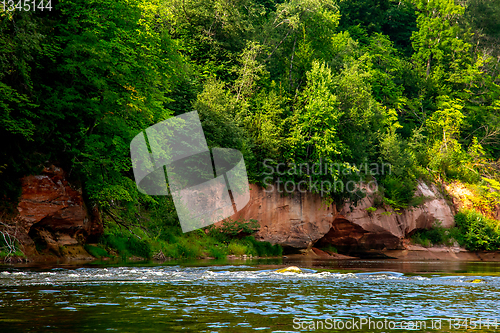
x=96, y=251
x=188, y=249
x=437, y=235
x=231, y=229
x=237, y=249
x=262, y=249
x=398, y=191
x=117, y=242
x=9, y=246
x=417, y=201
x=419, y=238
x=138, y=247
x=478, y=232
x=371, y=210
x=217, y=252
x=168, y=236
x=127, y=245
x=329, y=248
x=232, y=237
x=171, y=251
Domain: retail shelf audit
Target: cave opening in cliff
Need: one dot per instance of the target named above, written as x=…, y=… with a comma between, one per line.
x=343, y=237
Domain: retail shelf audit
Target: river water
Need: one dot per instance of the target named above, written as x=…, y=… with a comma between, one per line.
x=249, y=296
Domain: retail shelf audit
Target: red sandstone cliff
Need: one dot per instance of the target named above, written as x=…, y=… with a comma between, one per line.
x=302, y=220
x=53, y=216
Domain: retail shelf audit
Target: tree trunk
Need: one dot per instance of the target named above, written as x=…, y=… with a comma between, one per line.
x=428, y=71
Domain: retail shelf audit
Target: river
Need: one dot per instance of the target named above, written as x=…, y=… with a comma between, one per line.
x=249, y=296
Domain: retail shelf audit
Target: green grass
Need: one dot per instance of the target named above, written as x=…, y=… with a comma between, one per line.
x=261, y=249
x=231, y=239
x=420, y=238
x=96, y=251
x=216, y=252
x=10, y=249
x=5, y=254
x=126, y=244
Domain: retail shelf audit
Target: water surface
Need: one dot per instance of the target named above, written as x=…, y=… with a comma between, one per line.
x=252, y=297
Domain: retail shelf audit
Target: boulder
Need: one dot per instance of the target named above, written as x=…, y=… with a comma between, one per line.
x=291, y=269
x=52, y=214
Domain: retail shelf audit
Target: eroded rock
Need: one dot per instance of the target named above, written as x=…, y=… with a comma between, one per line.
x=52, y=214
x=360, y=229
x=296, y=221
x=302, y=220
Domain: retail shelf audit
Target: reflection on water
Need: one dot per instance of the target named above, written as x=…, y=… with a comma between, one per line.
x=429, y=266
x=247, y=298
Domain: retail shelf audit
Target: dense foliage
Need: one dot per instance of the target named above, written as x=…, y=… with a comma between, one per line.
x=477, y=232
x=473, y=230
x=414, y=84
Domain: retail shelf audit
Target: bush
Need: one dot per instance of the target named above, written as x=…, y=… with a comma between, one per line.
x=262, y=249
x=138, y=247
x=237, y=249
x=116, y=242
x=398, y=192
x=96, y=251
x=477, y=231
x=231, y=229
x=437, y=235
x=473, y=230
x=168, y=236
x=127, y=245
x=231, y=238
x=9, y=246
x=329, y=248
x=188, y=249
x=171, y=251
x=371, y=210
x=419, y=238
x=217, y=252
x=417, y=201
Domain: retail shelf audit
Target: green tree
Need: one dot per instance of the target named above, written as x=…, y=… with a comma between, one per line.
x=439, y=42
x=314, y=134
x=21, y=38
x=298, y=33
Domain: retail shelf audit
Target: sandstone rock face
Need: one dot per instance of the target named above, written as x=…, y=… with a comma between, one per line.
x=52, y=213
x=296, y=221
x=303, y=220
x=385, y=228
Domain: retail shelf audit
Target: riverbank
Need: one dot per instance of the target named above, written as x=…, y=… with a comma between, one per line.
x=416, y=252
x=308, y=258
x=270, y=225
x=412, y=252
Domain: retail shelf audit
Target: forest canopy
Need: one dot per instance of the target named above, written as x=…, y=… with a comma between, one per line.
x=411, y=83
